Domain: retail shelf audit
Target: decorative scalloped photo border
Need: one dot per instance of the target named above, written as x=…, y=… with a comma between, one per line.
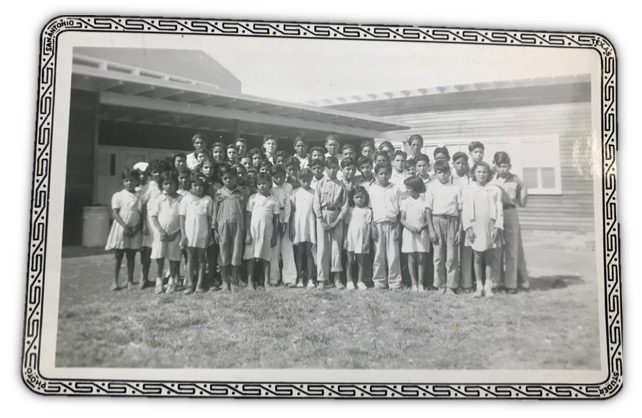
x=245, y=28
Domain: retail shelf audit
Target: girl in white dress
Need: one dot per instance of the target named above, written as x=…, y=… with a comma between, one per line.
x=483, y=220
x=415, y=241
x=166, y=228
x=195, y=212
x=303, y=229
x=262, y=216
x=125, y=234
x=148, y=194
x=358, y=238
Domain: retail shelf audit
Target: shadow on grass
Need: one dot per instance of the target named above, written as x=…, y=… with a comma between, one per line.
x=75, y=252
x=560, y=281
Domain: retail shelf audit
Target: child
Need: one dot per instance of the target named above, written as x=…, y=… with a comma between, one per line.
x=199, y=142
x=415, y=241
x=303, y=229
x=201, y=156
x=292, y=172
x=443, y=203
x=514, y=194
x=411, y=167
x=381, y=157
x=358, y=238
x=280, y=158
x=195, y=213
x=218, y=152
x=208, y=170
x=282, y=193
x=125, y=234
x=266, y=167
x=246, y=161
x=416, y=144
x=332, y=146
x=262, y=219
x=461, y=179
x=241, y=147
x=148, y=194
x=423, y=169
x=316, y=166
x=317, y=153
x=330, y=208
x=388, y=148
x=348, y=170
x=476, y=151
x=179, y=161
x=255, y=157
x=301, y=151
x=270, y=147
x=348, y=151
x=483, y=219
x=385, y=229
x=251, y=180
x=184, y=182
x=167, y=231
x=228, y=225
x=367, y=149
x=441, y=154
x=231, y=153
x=365, y=168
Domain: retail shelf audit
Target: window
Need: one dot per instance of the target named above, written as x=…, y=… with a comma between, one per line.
x=539, y=164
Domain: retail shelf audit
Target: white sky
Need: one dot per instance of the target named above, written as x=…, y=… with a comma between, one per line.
x=309, y=69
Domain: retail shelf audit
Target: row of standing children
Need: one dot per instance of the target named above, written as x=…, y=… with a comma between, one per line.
x=297, y=218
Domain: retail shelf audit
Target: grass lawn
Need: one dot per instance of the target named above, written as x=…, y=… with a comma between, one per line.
x=554, y=326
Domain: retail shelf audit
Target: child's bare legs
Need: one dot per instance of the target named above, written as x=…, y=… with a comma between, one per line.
x=299, y=260
x=119, y=262
x=251, y=269
x=145, y=261
x=350, y=265
x=211, y=254
x=266, y=273
x=412, y=269
x=421, y=262
x=361, y=271
x=236, y=275
x=202, y=262
x=189, y=270
x=160, y=265
x=478, y=266
x=310, y=263
x=131, y=256
x=225, y=273
x=174, y=269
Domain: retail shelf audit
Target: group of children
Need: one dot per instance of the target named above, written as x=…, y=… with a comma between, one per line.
x=322, y=218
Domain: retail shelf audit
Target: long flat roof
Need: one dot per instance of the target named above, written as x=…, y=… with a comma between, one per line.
x=153, y=96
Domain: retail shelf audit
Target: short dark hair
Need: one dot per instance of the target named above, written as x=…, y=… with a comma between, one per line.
x=130, y=174
x=348, y=161
x=381, y=154
x=441, y=150
x=459, y=155
x=402, y=153
x=264, y=177
x=422, y=157
x=474, y=145
x=199, y=135
x=501, y=157
x=331, y=160
x=305, y=173
x=364, y=160
x=411, y=163
x=169, y=177
x=386, y=144
x=299, y=138
x=415, y=183
x=348, y=146
x=441, y=165
x=415, y=136
x=379, y=166
x=483, y=164
x=293, y=162
x=316, y=162
x=367, y=143
x=331, y=136
x=277, y=171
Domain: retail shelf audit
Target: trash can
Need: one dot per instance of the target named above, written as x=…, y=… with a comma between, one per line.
x=95, y=226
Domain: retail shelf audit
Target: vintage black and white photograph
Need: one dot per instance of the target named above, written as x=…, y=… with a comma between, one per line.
x=306, y=203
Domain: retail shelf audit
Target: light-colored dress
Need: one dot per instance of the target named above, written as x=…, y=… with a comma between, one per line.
x=415, y=210
x=148, y=194
x=196, y=210
x=263, y=209
x=129, y=208
x=482, y=209
x=359, y=220
x=166, y=208
x=304, y=221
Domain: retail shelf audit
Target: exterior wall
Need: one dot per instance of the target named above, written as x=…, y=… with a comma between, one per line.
x=570, y=123
x=79, y=183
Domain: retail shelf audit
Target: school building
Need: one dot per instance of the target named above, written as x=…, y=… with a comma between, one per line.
x=544, y=124
x=129, y=105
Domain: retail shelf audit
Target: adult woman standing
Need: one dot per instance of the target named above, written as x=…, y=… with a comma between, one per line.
x=199, y=142
x=415, y=143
